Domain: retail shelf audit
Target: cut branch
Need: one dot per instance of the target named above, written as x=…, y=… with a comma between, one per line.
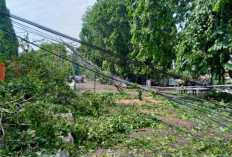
x=2, y=129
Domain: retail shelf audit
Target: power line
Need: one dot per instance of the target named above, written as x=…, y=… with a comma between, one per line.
x=46, y=36
x=198, y=104
x=33, y=31
x=202, y=100
x=186, y=103
x=63, y=35
x=202, y=113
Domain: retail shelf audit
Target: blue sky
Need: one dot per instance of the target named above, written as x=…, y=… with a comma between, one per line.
x=62, y=15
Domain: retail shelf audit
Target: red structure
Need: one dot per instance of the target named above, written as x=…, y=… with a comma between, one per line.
x=2, y=71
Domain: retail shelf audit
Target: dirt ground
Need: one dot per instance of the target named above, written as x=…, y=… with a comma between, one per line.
x=176, y=132
x=102, y=88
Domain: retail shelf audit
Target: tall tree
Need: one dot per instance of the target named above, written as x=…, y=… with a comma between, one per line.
x=8, y=43
x=107, y=25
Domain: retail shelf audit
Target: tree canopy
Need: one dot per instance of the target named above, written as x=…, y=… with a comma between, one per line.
x=153, y=29
x=206, y=42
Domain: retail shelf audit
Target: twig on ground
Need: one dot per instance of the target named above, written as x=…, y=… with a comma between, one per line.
x=17, y=99
x=3, y=131
x=28, y=100
x=119, y=88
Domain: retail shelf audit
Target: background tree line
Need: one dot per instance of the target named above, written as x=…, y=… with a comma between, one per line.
x=191, y=37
